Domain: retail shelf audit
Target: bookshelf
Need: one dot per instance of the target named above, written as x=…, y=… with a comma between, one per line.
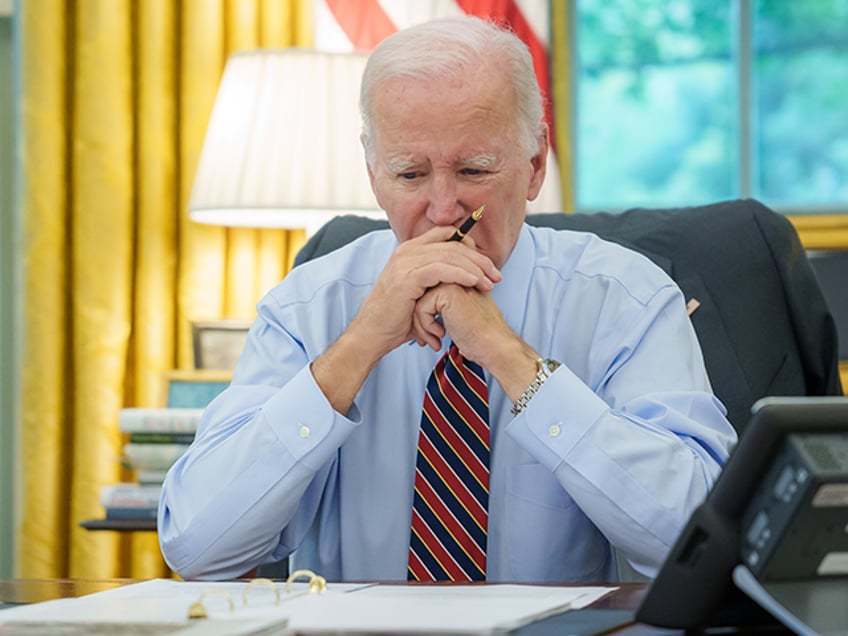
x=120, y=525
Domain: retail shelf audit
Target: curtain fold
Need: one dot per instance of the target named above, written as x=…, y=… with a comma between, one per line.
x=155, y=235
x=43, y=540
x=100, y=228
x=115, y=99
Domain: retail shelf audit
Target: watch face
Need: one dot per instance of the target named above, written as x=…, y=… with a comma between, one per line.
x=552, y=365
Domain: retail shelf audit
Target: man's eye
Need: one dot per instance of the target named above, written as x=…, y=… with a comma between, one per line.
x=408, y=176
x=473, y=172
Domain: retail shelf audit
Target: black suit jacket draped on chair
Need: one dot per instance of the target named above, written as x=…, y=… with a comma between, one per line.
x=763, y=324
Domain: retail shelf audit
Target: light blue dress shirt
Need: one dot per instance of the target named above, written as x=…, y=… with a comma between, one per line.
x=616, y=449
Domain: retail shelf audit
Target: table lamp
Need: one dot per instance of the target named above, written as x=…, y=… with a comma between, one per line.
x=282, y=148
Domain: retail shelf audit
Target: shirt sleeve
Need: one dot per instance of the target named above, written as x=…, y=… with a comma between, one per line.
x=259, y=463
x=640, y=448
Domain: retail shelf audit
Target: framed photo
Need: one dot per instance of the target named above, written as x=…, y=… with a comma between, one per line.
x=218, y=343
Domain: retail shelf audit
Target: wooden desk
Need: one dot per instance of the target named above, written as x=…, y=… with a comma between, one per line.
x=626, y=597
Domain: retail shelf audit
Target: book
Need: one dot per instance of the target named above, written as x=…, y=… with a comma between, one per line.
x=130, y=495
x=153, y=456
x=129, y=512
x=161, y=438
x=159, y=420
x=195, y=388
x=150, y=477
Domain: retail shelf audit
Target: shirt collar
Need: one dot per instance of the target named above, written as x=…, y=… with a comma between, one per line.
x=510, y=294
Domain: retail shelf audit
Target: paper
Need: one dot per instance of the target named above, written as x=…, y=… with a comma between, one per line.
x=476, y=609
x=163, y=604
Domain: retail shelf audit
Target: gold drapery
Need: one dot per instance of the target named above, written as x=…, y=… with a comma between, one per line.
x=115, y=97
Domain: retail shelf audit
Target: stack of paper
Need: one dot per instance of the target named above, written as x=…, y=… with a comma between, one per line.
x=161, y=607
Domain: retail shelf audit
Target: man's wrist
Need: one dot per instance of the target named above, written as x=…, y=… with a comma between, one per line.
x=342, y=369
x=544, y=369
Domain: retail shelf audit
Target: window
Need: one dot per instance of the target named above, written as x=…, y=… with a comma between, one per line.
x=682, y=102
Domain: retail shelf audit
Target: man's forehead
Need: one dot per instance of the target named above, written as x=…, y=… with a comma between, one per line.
x=486, y=88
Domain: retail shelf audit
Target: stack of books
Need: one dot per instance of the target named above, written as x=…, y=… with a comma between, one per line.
x=157, y=437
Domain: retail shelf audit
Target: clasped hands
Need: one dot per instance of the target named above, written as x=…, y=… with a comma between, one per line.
x=431, y=288
x=428, y=289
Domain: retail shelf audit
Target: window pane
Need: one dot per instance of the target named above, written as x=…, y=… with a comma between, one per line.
x=657, y=104
x=800, y=70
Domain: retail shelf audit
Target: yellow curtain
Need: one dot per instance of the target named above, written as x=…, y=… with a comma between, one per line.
x=115, y=97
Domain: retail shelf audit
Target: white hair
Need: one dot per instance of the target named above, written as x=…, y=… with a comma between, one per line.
x=447, y=48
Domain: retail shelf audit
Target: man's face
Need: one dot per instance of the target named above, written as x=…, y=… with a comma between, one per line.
x=444, y=148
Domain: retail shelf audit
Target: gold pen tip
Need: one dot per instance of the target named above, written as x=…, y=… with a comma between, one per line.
x=478, y=212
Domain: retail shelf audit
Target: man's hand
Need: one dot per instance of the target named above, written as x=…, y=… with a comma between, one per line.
x=477, y=327
x=386, y=318
x=417, y=265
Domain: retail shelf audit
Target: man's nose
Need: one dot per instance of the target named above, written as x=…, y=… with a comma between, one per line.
x=443, y=207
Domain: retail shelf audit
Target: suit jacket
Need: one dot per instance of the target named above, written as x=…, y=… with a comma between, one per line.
x=762, y=321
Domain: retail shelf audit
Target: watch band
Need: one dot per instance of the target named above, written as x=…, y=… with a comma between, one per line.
x=544, y=369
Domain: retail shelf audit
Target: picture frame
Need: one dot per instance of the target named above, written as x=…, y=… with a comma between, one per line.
x=218, y=343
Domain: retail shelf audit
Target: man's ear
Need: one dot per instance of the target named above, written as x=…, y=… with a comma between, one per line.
x=539, y=164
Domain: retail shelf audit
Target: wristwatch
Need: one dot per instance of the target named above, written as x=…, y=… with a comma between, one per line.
x=544, y=368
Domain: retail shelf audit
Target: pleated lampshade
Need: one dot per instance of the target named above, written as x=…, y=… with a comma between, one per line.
x=282, y=148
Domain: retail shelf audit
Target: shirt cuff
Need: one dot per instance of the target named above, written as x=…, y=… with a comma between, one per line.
x=558, y=416
x=308, y=427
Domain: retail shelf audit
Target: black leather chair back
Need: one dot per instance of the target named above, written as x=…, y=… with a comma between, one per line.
x=763, y=324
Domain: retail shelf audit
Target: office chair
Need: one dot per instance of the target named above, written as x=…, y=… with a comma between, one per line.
x=763, y=324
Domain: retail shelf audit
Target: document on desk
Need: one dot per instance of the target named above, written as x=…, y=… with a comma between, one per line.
x=247, y=608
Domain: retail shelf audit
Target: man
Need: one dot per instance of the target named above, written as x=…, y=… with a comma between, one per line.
x=313, y=446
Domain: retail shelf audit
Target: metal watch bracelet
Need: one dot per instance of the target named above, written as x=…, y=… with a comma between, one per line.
x=544, y=368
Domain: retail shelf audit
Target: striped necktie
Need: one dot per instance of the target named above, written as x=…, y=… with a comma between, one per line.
x=450, y=503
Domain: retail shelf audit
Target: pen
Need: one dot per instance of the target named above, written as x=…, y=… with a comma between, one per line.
x=467, y=224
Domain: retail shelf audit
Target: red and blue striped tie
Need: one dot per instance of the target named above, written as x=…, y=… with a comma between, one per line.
x=451, y=500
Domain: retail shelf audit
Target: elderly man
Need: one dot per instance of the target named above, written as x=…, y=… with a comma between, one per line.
x=571, y=419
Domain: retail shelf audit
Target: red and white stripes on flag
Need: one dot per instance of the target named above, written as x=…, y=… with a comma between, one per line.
x=359, y=25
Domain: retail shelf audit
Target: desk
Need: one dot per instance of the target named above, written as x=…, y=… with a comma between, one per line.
x=17, y=591
x=627, y=598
